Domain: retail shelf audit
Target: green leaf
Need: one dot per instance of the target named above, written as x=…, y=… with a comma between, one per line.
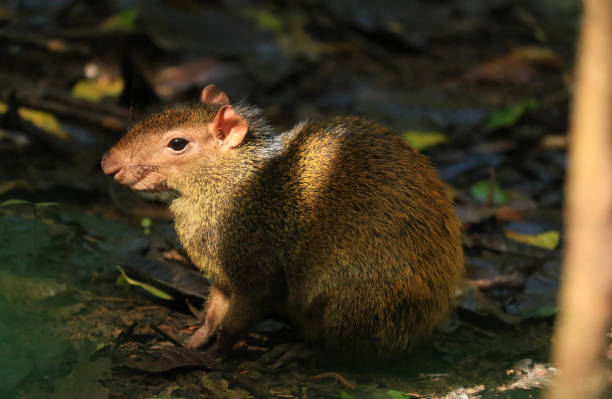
x=124, y=20
x=397, y=394
x=15, y=202
x=482, y=190
x=10, y=185
x=547, y=311
x=43, y=120
x=46, y=204
x=508, y=116
x=167, y=397
x=424, y=140
x=24, y=202
x=265, y=19
x=95, y=90
x=122, y=283
x=146, y=224
x=344, y=395
x=147, y=287
x=547, y=240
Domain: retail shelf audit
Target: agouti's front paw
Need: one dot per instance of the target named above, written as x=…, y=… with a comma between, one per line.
x=199, y=338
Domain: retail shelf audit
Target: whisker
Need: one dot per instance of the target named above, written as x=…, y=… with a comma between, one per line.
x=144, y=165
x=135, y=146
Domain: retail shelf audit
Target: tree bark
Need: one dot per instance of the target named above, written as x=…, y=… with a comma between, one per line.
x=586, y=294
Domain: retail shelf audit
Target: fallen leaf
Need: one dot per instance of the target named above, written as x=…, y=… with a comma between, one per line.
x=506, y=213
x=537, y=55
x=43, y=120
x=554, y=141
x=423, y=140
x=7, y=186
x=167, y=397
x=174, y=357
x=505, y=69
x=146, y=224
x=475, y=301
x=539, y=296
x=484, y=190
x=147, y=287
x=124, y=20
x=24, y=202
x=170, y=80
x=546, y=240
x=518, y=67
x=473, y=213
x=12, y=202
x=96, y=89
x=400, y=395
x=487, y=272
x=265, y=19
x=508, y=116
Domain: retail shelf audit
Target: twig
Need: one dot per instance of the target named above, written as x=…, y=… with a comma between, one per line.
x=337, y=377
x=50, y=44
x=166, y=335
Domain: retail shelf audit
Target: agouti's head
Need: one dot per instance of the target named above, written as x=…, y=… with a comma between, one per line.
x=161, y=145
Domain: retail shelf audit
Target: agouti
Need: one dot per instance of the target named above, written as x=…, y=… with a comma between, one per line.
x=340, y=225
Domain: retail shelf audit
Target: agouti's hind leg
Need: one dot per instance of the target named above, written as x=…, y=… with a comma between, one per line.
x=243, y=311
x=215, y=311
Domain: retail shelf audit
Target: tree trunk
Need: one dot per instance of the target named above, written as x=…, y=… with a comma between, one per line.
x=586, y=294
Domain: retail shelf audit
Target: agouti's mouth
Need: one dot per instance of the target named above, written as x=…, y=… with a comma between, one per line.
x=149, y=188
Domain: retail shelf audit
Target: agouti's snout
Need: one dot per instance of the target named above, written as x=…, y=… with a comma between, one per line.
x=112, y=165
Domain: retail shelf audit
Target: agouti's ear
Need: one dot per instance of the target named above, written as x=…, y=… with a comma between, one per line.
x=210, y=95
x=229, y=128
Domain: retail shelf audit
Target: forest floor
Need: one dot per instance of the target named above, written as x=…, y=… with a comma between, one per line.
x=96, y=293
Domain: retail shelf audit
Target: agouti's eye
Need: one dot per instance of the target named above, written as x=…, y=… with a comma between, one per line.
x=177, y=144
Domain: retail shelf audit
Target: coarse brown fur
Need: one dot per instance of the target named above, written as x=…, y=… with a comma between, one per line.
x=339, y=224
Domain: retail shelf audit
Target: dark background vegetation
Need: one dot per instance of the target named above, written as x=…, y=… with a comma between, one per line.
x=482, y=87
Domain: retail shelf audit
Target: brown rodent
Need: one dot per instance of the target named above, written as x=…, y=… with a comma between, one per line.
x=339, y=224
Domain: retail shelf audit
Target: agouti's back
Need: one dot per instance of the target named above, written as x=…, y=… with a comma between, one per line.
x=378, y=255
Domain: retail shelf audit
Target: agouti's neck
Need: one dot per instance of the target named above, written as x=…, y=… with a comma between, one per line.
x=210, y=194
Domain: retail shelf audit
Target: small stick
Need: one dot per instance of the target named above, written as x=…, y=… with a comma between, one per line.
x=337, y=376
x=166, y=335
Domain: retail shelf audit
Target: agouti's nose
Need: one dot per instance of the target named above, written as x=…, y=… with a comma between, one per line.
x=110, y=165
